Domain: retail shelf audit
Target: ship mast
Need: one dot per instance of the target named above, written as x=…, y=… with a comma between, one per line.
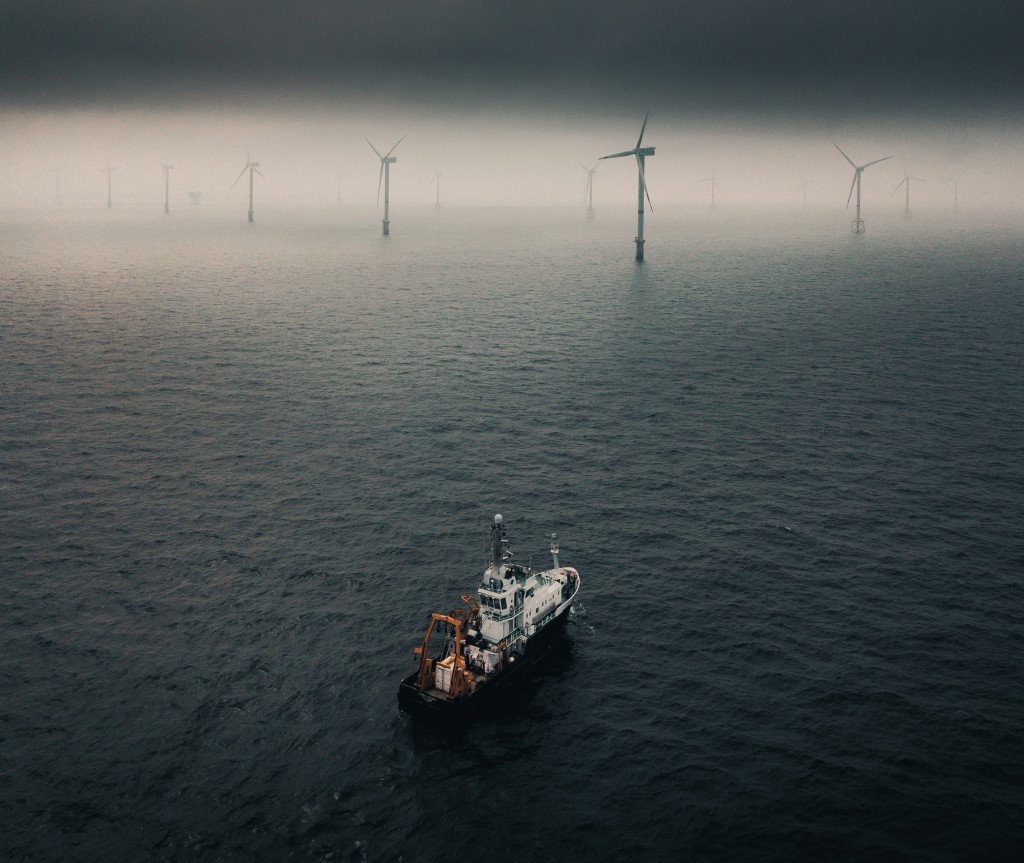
x=500, y=552
x=554, y=548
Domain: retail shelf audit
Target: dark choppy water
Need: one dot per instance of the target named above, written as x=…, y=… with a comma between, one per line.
x=241, y=463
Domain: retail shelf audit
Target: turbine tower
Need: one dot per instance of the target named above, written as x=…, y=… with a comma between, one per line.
x=385, y=174
x=588, y=193
x=167, y=188
x=641, y=153
x=109, y=171
x=956, y=195
x=436, y=180
x=858, y=222
x=906, y=181
x=251, y=167
x=56, y=196
x=714, y=186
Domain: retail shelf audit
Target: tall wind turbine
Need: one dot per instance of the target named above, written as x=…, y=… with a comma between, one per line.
x=385, y=174
x=109, y=171
x=906, y=181
x=251, y=167
x=641, y=153
x=714, y=186
x=436, y=180
x=588, y=193
x=167, y=188
x=858, y=222
x=956, y=195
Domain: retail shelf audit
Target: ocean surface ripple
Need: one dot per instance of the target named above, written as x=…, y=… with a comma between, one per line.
x=240, y=465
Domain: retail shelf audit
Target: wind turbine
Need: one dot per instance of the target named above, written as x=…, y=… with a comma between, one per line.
x=803, y=188
x=167, y=188
x=858, y=222
x=641, y=153
x=56, y=196
x=436, y=179
x=714, y=186
x=109, y=171
x=385, y=174
x=588, y=193
x=251, y=167
x=906, y=180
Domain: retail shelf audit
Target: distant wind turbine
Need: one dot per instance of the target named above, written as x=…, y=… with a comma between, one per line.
x=956, y=195
x=436, y=181
x=641, y=153
x=906, y=181
x=588, y=193
x=109, y=171
x=803, y=188
x=385, y=174
x=858, y=223
x=167, y=187
x=251, y=167
x=714, y=187
x=56, y=196
x=339, y=190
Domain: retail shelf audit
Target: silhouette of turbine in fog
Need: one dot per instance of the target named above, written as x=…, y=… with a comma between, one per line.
x=385, y=174
x=56, y=196
x=906, y=181
x=167, y=188
x=858, y=222
x=588, y=192
x=251, y=167
x=714, y=187
x=109, y=171
x=436, y=180
x=641, y=153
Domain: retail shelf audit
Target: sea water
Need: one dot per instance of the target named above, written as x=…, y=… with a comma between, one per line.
x=240, y=464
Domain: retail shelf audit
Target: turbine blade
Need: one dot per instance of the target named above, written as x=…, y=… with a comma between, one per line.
x=900, y=183
x=399, y=141
x=644, y=126
x=618, y=155
x=380, y=179
x=848, y=159
x=375, y=150
x=869, y=164
x=239, y=177
x=578, y=162
x=257, y=171
x=854, y=183
x=640, y=168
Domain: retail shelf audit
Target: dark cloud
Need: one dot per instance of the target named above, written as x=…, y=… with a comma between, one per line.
x=800, y=56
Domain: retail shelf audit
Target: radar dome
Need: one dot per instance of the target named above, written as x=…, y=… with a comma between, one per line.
x=498, y=519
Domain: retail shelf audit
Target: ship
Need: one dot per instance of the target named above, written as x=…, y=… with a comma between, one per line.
x=493, y=640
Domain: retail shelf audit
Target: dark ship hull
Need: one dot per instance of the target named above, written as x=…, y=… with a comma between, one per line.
x=491, y=691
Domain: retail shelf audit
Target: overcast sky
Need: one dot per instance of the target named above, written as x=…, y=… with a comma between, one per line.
x=939, y=80
x=800, y=56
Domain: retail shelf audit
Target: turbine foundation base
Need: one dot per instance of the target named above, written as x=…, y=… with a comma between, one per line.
x=387, y=227
x=639, y=248
x=250, y=215
x=857, y=226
